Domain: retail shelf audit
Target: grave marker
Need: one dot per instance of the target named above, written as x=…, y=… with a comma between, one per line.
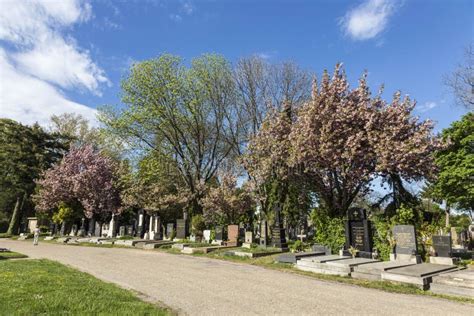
x=233, y=235
x=358, y=232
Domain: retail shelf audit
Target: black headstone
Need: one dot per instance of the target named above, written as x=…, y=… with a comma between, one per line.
x=263, y=233
x=278, y=232
x=442, y=246
x=405, y=239
x=181, y=229
x=358, y=232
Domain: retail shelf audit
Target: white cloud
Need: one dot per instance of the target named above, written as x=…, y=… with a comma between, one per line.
x=427, y=106
x=188, y=8
x=369, y=19
x=176, y=17
x=41, y=59
x=28, y=99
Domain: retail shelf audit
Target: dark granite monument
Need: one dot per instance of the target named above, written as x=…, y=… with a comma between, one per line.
x=278, y=232
x=405, y=240
x=358, y=232
x=442, y=246
x=263, y=233
x=181, y=228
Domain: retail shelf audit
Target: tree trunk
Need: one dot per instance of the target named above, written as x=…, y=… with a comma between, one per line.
x=448, y=209
x=13, y=227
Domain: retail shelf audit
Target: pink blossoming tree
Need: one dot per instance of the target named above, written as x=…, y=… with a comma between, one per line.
x=83, y=176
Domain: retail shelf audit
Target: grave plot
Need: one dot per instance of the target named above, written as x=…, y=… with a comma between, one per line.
x=373, y=271
x=454, y=283
x=417, y=274
x=318, y=264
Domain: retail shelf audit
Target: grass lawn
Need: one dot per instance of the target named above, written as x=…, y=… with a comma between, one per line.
x=46, y=287
x=11, y=255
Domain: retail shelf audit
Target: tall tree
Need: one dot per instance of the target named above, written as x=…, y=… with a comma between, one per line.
x=455, y=162
x=24, y=153
x=461, y=80
x=84, y=177
x=181, y=112
x=342, y=139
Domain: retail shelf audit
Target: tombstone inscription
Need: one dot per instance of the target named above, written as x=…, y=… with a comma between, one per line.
x=358, y=232
x=442, y=246
x=169, y=230
x=406, y=249
x=219, y=233
x=181, y=228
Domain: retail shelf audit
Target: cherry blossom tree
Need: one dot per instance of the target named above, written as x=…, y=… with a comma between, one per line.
x=85, y=177
x=341, y=140
x=226, y=203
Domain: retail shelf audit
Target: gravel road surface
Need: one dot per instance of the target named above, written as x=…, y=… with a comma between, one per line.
x=202, y=286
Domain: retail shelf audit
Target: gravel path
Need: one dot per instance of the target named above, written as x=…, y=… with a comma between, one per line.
x=202, y=286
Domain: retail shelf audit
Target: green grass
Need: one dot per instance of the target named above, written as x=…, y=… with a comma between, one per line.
x=11, y=255
x=30, y=287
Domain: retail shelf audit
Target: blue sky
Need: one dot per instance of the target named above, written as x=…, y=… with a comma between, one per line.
x=69, y=56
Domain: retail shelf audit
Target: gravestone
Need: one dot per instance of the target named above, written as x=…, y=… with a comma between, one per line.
x=91, y=227
x=98, y=229
x=405, y=243
x=443, y=250
x=181, y=228
x=207, y=235
x=263, y=233
x=140, y=228
x=129, y=230
x=122, y=231
x=169, y=230
x=219, y=233
x=278, y=232
x=248, y=240
x=233, y=235
x=442, y=246
x=358, y=232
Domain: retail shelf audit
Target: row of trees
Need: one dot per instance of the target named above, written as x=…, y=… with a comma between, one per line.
x=218, y=140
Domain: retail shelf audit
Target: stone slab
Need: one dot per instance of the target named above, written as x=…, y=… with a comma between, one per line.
x=451, y=290
x=460, y=278
x=323, y=259
x=417, y=274
x=352, y=262
x=293, y=257
x=49, y=238
x=373, y=271
x=442, y=260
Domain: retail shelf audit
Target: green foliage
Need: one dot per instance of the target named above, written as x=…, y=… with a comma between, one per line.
x=173, y=234
x=329, y=231
x=298, y=246
x=456, y=165
x=460, y=220
x=383, y=225
x=198, y=225
x=63, y=214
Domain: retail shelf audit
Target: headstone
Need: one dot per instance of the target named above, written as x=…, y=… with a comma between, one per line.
x=405, y=243
x=207, y=235
x=219, y=233
x=278, y=232
x=111, y=232
x=443, y=250
x=358, y=232
x=233, y=235
x=263, y=233
x=169, y=230
x=91, y=227
x=248, y=240
x=82, y=230
x=181, y=228
x=455, y=238
x=140, y=227
x=122, y=231
x=129, y=230
x=442, y=246
x=98, y=229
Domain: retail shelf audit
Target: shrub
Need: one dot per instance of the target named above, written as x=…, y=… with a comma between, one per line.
x=173, y=234
x=329, y=231
x=198, y=225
